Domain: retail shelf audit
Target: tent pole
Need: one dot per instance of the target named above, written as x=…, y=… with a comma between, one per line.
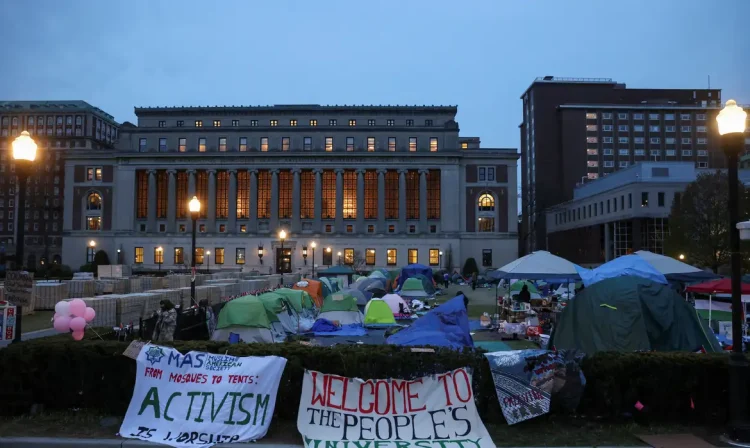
x=710, y=296
x=497, y=305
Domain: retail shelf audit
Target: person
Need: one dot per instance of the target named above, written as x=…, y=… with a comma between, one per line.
x=473, y=281
x=167, y=322
x=524, y=295
x=210, y=317
x=446, y=279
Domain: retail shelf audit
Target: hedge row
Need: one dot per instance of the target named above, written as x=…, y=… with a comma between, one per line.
x=94, y=375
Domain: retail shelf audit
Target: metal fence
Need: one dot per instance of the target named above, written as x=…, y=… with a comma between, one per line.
x=191, y=324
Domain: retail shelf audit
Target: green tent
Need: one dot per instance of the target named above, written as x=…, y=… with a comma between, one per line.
x=413, y=287
x=377, y=274
x=246, y=311
x=275, y=304
x=377, y=312
x=427, y=284
x=339, y=301
x=356, y=277
x=517, y=286
x=630, y=314
x=298, y=298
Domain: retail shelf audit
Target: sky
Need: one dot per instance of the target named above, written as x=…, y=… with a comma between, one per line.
x=478, y=55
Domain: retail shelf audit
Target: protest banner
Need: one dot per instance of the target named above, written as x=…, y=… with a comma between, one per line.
x=525, y=381
x=430, y=412
x=7, y=321
x=19, y=288
x=199, y=399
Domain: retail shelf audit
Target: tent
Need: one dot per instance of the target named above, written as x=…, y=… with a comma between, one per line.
x=628, y=265
x=377, y=313
x=314, y=288
x=341, y=307
x=378, y=274
x=630, y=314
x=367, y=284
x=720, y=286
x=428, y=284
x=445, y=326
x=283, y=309
x=674, y=270
x=411, y=270
x=393, y=301
x=360, y=296
x=300, y=299
x=327, y=284
x=413, y=288
x=244, y=316
x=537, y=265
x=343, y=274
x=518, y=286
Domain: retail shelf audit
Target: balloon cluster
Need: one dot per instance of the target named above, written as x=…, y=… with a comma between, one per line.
x=73, y=316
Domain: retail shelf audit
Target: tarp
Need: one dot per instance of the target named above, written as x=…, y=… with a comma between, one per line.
x=411, y=270
x=538, y=265
x=339, y=301
x=675, y=270
x=247, y=311
x=324, y=327
x=312, y=287
x=720, y=286
x=378, y=312
x=445, y=326
x=628, y=265
x=413, y=288
x=393, y=301
x=630, y=314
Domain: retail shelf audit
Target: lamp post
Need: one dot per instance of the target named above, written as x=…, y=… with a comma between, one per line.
x=282, y=237
x=195, y=209
x=160, y=257
x=24, y=154
x=304, y=254
x=731, y=121
x=90, y=252
x=339, y=255
x=440, y=259
x=330, y=256
x=260, y=253
x=119, y=256
x=312, y=246
x=208, y=263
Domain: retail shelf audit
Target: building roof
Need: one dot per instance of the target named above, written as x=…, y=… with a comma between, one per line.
x=159, y=110
x=644, y=105
x=50, y=106
x=564, y=80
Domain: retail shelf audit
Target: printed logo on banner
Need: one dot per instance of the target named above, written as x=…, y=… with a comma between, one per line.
x=429, y=412
x=200, y=399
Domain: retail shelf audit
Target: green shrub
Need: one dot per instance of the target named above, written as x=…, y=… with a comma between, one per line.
x=59, y=271
x=470, y=267
x=88, y=267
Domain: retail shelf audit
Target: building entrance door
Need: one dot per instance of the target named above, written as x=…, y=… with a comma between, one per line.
x=283, y=260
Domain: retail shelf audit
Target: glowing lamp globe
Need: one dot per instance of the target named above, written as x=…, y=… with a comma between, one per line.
x=24, y=147
x=731, y=119
x=194, y=205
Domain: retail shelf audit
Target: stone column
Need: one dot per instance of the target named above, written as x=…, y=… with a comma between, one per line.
x=361, y=201
x=274, y=224
x=381, y=201
x=423, y=201
x=318, y=199
x=191, y=184
x=232, y=221
x=211, y=202
x=339, y=200
x=253, y=201
x=172, y=201
x=296, y=222
x=402, y=201
x=607, y=242
x=152, y=200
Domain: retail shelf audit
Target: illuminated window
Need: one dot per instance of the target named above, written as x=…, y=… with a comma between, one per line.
x=434, y=257
x=352, y=122
x=350, y=144
x=285, y=194
x=486, y=203
x=199, y=254
x=349, y=256
x=93, y=223
x=243, y=144
x=313, y=122
x=285, y=143
x=412, y=194
x=182, y=192
x=201, y=190
x=391, y=255
x=158, y=255
x=413, y=256
x=222, y=195
x=179, y=255
x=369, y=257
x=142, y=193
x=198, y=123
x=138, y=255
x=412, y=144
x=222, y=144
x=264, y=144
x=219, y=255
x=307, y=144
x=329, y=144
x=433, y=194
x=94, y=202
x=293, y=122
x=350, y=194
x=371, y=194
x=162, y=191
x=243, y=194
x=392, y=144
x=202, y=144
x=391, y=194
x=254, y=123
x=264, y=194
x=328, y=200
x=274, y=122
x=217, y=123
x=370, y=144
x=433, y=144
x=182, y=145
x=239, y=255
x=486, y=224
x=307, y=194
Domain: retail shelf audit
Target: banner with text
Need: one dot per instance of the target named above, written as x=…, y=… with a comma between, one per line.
x=199, y=399
x=430, y=412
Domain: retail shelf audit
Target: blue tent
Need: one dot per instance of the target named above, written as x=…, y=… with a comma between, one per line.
x=630, y=265
x=445, y=326
x=412, y=270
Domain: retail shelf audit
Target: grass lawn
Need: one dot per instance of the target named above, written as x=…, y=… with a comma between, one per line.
x=40, y=320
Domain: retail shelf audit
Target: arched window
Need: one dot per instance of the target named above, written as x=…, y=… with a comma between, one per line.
x=486, y=212
x=94, y=202
x=486, y=203
x=93, y=213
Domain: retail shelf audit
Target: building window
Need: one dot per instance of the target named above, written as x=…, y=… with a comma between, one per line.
x=391, y=194
x=349, y=256
x=687, y=153
x=219, y=256
x=392, y=144
x=198, y=123
x=433, y=194
x=371, y=194
x=222, y=195
x=352, y=122
x=702, y=140
x=702, y=153
x=660, y=199
x=653, y=117
x=413, y=256
x=434, y=257
x=350, y=194
x=412, y=194
x=591, y=116
x=217, y=123
x=594, y=128
x=486, y=203
x=609, y=164
x=412, y=144
x=243, y=144
x=285, y=194
x=182, y=145
x=274, y=123
x=142, y=194
x=201, y=190
x=94, y=223
x=202, y=144
x=640, y=152
x=433, y=144
x=702, y=164
x=138, y=255
x=410, y=122
x=391, y=256
x=329, y=144
x=486, y=224
x=370, y=144
x=292, y=122
x=182, y=191
x=622, y=116
x=390, y=122
x=622, y=128
x=644, y=199
x=606, y=116
x=264, y=194
x=162, y=124
x=285, y=143
x=162, y=192
x=370, y=257
x=307, y=144
x=684, y=128
x=158, y=255
x=639, y=140
x=235, y=123
x=623, y=139
x=624, y=164
x=243, y=195
x=239, y=255
x=179, y=256
x=93, y=174
x=638, y=128
x=328, y=200
x=685, y=117
x=592, y=164
x=313, y=122
x=623, y=152
x=332, y=122
x=371, y=122
x=222, y=144
x=264, y=144
x=350, y=144
x=199, y=254
x=253, y=123
x=486, y=258
x=142, y=143
x=307, y=194
x=670, y=152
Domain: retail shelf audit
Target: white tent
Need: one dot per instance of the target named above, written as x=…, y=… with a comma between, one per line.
x=540, y=265
x=393, y=301
x=674, y=269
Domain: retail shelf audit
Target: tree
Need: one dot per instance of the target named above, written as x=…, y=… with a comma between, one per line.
x=101, y=258
x=358, y=261
x=699, y=221
x=470, y=267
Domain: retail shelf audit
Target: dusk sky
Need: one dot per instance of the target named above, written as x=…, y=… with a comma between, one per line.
x=479, y=55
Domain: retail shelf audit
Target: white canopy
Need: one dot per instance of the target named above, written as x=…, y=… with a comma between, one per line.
x=540, y=265
x=675, y=269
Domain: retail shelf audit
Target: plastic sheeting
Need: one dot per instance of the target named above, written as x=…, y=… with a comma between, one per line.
x=445, y=326
x=628, y=265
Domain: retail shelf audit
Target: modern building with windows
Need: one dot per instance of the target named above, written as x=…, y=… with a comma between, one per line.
x=57, y=127
x=622, y=213
x=378, y=185
x=575, y=130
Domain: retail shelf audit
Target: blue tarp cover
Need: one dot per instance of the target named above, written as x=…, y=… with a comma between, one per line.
x=630, y=265
x=324, y=327
x=412, y=270
x=445, y=326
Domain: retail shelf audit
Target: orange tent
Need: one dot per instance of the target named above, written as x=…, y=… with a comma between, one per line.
x=314, y=288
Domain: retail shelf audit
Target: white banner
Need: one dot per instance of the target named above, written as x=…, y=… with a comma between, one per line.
x=199, y=399
x=429, y=412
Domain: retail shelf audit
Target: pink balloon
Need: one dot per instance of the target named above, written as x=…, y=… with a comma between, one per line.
x=77, y=324
x=77, y=307
x=62, y=324
x=62, y=308
x=89, y=314
x=78, y=335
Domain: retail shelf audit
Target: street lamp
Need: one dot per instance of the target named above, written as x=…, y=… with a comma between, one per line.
x=682, y=256
x=731, y=121
x=24, y=153
x=312, y=245
x=90, y=251
x=282, y=237
x=328, y=251
x=440, y=259
x=304, y=254
x=208, y=263
x=339, y=255
x=260, y=253
x=195, y=209
x=160, y=256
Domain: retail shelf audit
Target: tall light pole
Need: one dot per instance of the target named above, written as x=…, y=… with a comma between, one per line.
x=208, y=263
x=91, y=252
x=195, y=209
x=282, y=237
x=330, y=255
x=339, y=255
x=24, y=154
x=160, y=258
x=731, y=121
x=440, y=259
x=312, y=245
